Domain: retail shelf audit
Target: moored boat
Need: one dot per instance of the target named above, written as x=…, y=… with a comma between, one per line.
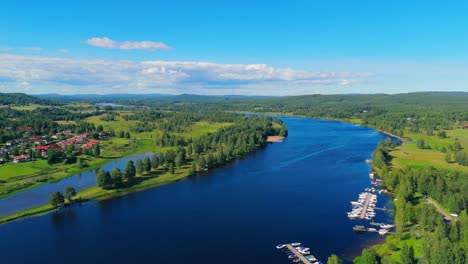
x=295, y=244
x=280, y=246
x=383, y=231
x=359, y=228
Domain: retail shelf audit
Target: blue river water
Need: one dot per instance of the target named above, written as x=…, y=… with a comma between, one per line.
x=297, y=190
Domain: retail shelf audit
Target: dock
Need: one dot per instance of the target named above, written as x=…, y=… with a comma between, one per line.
x=299, y=255
x=364, y=208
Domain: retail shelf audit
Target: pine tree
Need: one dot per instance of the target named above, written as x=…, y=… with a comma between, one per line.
x=129, y=171
x=155, y=161
x=139, y=166
x=147, y=164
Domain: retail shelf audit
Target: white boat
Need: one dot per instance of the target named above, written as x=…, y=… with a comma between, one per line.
x=302, y=249
x=383, y=231
x=386, y=226
x=371, y=229
x=356, y=203
x=280, y=246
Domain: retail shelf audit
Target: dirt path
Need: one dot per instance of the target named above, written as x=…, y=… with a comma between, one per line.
x=446, y=216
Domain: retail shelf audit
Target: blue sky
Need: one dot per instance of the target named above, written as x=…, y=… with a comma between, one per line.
x=233, y=47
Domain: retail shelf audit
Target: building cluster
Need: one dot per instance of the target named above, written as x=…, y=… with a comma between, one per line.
x=43, y=144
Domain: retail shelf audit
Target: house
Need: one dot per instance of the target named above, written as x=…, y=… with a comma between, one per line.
x=90, y=144
x=21, y=158
x=43, y=148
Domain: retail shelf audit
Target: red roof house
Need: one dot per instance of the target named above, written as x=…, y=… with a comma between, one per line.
x=21, y=158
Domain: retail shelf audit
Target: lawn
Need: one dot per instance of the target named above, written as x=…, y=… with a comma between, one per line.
x=410, y=155
x=14, y=170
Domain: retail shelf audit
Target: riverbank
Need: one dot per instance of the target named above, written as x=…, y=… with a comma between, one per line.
x=147, y=180
x=18, y=184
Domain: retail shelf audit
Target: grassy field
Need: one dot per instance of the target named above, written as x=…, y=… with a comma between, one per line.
x=410, y=155
x=28, y=107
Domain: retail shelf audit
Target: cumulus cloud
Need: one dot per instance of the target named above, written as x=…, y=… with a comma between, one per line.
x=108, y=43
x=149, y=76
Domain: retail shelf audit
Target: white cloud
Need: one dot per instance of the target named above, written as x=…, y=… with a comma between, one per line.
x=108, y=43
x=111, y=76
x=21, y=48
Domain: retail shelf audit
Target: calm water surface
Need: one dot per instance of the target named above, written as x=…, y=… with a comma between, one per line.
x=40, y=195
x=298, y=190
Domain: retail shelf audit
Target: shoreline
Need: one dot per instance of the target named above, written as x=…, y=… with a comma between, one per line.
x=95, y=193
x=73, y=171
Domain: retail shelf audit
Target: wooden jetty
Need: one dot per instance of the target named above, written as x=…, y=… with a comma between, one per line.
x=364, y=208
x=298, y=255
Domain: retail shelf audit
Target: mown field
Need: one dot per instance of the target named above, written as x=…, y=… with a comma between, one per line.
x=410, y=155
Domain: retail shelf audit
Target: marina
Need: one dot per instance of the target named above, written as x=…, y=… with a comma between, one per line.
x=298, y=253
x=364, y=208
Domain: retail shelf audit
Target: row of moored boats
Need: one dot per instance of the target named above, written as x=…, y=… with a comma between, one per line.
x=304, y=251
x=360, y=210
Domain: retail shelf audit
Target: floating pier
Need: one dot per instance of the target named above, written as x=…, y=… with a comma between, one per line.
x=298, y=255
x=364, y=208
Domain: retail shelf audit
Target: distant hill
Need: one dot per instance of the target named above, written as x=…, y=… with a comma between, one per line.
x=424, y=98
x=22, y=99
x=146, y=98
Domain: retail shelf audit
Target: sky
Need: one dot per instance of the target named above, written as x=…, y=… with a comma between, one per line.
x=233, y=47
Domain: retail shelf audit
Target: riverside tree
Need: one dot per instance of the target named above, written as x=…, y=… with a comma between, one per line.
x=334, y=259
x=129, y=171
x=69, y=193
x=154, y=161
x=147, y=164
x=56, y=199
x=103, y=179
x=139, y=166
x=116, y=177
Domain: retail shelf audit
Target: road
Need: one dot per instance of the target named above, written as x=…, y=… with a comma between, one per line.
x=447, y=217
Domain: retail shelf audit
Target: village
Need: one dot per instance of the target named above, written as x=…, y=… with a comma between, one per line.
x=38, y=146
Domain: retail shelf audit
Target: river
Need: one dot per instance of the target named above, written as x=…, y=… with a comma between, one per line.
x=297, y=190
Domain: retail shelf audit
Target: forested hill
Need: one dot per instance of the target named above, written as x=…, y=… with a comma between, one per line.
x=22, y=99
x=146, y=99
x=428, y=111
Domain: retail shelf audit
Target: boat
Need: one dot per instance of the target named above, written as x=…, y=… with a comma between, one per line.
x=371, y=229
x=291, y=256
x=304, y=252
x=383, y=231
x=295, y=244
x=356, y=203
x=359, y=229
x=302, y=248
x=280, y=246
x=311, y=258
x=386, y=226
x=296, y=260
